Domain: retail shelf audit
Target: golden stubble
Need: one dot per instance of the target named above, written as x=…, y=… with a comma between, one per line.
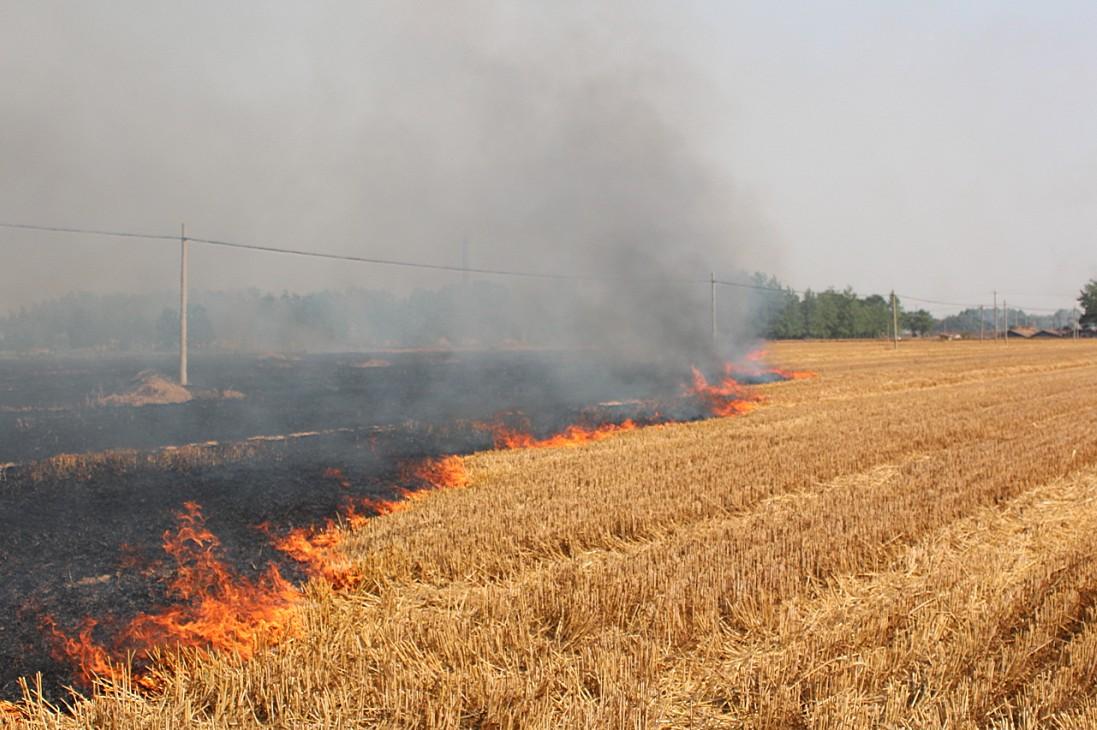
x=904, y=541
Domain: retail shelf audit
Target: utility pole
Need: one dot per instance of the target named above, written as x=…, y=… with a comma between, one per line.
x=995, y=315
x=1005, y=321
x=184, y=247
x=894, y=322
x=712, y=306
x=982, y=323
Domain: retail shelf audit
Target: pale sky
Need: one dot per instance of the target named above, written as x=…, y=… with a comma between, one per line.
x=940, y=149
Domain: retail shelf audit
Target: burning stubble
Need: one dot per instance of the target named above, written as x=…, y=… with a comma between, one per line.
x=212, y=608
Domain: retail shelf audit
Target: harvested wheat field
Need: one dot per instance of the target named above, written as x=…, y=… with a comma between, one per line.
x=904, y=540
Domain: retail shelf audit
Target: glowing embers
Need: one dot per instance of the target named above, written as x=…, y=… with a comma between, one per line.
x=213, y=608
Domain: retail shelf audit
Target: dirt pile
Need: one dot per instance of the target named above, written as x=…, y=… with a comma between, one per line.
x=151, y=388
x=373, y=362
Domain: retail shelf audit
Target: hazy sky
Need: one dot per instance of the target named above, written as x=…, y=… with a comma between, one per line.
x=941, y=149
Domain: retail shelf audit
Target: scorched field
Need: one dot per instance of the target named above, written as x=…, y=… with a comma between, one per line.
x=905, y=539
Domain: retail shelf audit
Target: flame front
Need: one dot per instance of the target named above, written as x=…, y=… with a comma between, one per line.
x=726, y=398
x=215, y=609
x=317, y=548
x=511, y=438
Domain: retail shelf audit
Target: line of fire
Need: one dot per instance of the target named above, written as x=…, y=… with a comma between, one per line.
x=159, y=519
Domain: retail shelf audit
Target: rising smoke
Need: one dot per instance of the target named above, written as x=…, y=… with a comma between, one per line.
x=562, y=139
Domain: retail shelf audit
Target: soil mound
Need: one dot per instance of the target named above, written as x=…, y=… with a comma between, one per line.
x=149, y=388
x=373, y=362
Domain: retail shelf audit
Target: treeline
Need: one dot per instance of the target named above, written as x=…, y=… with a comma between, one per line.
x=481, y=313
x=476, y=313
x=973, y=320
x=831, y=314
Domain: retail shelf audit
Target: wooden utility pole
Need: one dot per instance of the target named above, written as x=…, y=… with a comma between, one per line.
x=995, y=315
x=981, y=323
x=712, y=306
x=894, y=322
x=1005, y=321
x=184, y=247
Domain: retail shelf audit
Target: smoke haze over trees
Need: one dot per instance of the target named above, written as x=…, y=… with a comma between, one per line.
x=569, y=141
x=474, y=314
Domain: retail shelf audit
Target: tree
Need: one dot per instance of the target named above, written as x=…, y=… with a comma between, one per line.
x=199, y=327
x=789, y=324
x=873, y=317
x=1088, y=299
x=919, y=322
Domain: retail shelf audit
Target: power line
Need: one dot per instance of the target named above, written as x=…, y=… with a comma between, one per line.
x=438, y=267
x=936, y=301
x=355, y=259
x=460, y=269
x=91, y=231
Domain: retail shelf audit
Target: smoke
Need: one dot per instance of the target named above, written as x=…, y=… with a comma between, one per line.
x=567, y=138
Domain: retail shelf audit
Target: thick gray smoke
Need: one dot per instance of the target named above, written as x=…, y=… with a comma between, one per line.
x=552, y=137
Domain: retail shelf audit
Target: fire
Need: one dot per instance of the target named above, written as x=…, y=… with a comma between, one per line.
x=511, y=438
x=726, y=398
x=93, y=660
x=754, y=365
x=317, y=548
x=794, y=374
x=337, y=475
x=218, y=610
x=215, y=609
x=445, y=473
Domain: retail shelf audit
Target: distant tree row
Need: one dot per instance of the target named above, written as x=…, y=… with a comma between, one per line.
x=973, y=321
x=831, y=314
x=252, y=320
x=477, y=313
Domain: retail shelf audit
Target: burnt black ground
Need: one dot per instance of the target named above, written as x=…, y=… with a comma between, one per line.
x=44, y=402
x=65, y=541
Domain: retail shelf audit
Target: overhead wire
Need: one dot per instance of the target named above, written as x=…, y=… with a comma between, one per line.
x=458, y=269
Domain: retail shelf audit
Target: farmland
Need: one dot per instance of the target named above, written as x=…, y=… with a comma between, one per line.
x=905, y=539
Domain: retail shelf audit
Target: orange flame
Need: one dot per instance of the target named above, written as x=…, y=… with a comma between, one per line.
x=726, y=398
x=338, y=475
x=794, y=374
x=510, y=438
x=92, y=660
x=217, y=610
x=225, y=612
x=445, y=473
x=317, y=548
